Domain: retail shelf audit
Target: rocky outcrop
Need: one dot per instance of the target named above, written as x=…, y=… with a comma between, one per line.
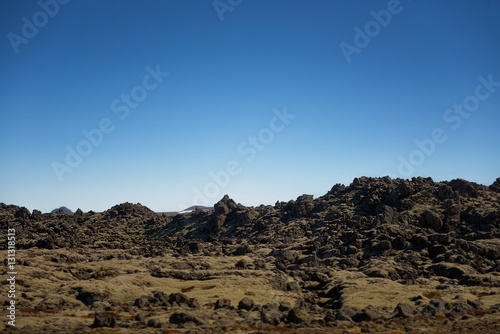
x=383, y=231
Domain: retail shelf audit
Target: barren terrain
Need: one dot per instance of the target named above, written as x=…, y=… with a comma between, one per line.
x=380, y=255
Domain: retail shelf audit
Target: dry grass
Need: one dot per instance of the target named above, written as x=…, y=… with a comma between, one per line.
x=132, y=279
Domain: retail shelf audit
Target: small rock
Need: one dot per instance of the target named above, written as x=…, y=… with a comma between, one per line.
x=246, y=304
x=178, y=298
x=345, y=314
x=222, y=303
x=293, y=286
x=104, y=319
x=436, y=307
x=182, y=318
x=367, y=314
x=182, y=299
x=89, y=297
x=242, y=264
x=404, y=310
x=285, y=306
x=297, y=315
x=156, y=323
x=242, y=250
x=270, y=314
x=142, y=302
x=382, y=245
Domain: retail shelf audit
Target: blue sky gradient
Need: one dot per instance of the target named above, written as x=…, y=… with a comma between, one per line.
x=228, y=79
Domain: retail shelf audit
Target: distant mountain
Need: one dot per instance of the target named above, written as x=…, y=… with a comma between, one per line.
x=188, y=210
x=199, y=207
x=62, y=209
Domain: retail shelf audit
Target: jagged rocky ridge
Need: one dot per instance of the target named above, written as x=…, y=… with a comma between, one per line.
x=399, y=230
x=372, y=215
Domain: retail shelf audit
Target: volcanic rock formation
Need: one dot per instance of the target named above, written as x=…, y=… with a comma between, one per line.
x=377, y=255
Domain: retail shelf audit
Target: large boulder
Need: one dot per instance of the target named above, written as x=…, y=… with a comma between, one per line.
x=246, y=304
x=22, y=213
x=432, y=220
x=495, y=186
x=303, y=206
x=450, y=270
x=464, y=187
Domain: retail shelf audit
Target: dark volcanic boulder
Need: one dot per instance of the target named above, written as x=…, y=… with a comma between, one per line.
x=297, y=315
x=228, y=217
x=444, y=192
x=223, y=303
x=270, y=314
x=432, y=220
x=464, y=187
x=385, y=215
x=303, y=206
x=180, y=318
x=450, y=270
x=22, y=213
x=403, y=190
x=125, y=210
x=221, y=209
x=367, y=314
x=225, y=206
x=246, y=304
x=104, y=319
x=142, y=302
x=155, y=323
x=90, y=297
x=404, y=310
x=495, y=186
x=182, y=299
x=36, y=215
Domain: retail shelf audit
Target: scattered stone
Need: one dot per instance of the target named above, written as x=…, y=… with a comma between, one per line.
x=223, y=303
x=156, y=323
x=403, y=310
x=285, y=306
x=450, y=270
x=182, y=318
x=270, y=314
x=182, y=299
x=246, y=304
x=104, y=319
x=367, y=314
x=432, y=220
x=297, y=315
x=242, y=264
x=90, y=297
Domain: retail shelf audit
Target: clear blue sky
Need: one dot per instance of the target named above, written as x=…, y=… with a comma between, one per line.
x=225, y=79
